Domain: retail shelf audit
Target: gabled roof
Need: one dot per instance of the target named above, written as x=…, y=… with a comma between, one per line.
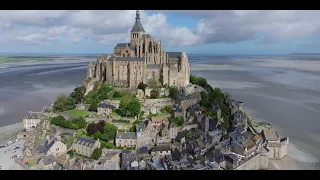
x=48, y=159
x=85, y=141
x=126, y=135
x=122, y=45
x=270, y=135
x=161, y=148
x=137, y=27
x=176, y=155
x=106, y=105
x=142, y=150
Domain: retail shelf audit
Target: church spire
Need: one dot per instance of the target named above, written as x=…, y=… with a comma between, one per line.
x=137, y=15
x=137, y=27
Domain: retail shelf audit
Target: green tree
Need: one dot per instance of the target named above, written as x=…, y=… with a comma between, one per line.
x=109, y=132
x=129, y=107
x=92, y=95
x=174, y=92
x=78, y=94
x=70, y=153
x=93, y=105
x=116, y=94
x=154, y=94
x=134, y=124
x=142, y=86
x=80, y=121
x=104, y=90
x=97, y=135
x=167, y=108
x=96, y=153
x=63, y=103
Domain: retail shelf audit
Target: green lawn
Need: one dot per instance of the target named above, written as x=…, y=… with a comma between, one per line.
x=77, y=112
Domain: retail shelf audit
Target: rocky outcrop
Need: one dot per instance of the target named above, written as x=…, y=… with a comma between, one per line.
x=38, y=136
x=96, y=72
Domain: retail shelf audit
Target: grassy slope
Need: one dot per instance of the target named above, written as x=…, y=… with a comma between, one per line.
x=77, y=112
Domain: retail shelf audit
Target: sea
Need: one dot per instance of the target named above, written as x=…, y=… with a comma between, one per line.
x=281, y=89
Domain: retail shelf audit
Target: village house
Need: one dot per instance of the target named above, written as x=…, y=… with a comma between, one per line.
x=85, y=146
x=143, y=153
x=105, y=108
x=278, y=147
x=239, y=120
x=158, y=120
x=177, y=111
x=111, y=157
x=164, y=135
x=126, y=159
x=51, y=146
x=126, y=139
x=161, y=150
x=31, y=121
x=146, y=134
x=81, y=107
x=107, y=166
x=47, y=162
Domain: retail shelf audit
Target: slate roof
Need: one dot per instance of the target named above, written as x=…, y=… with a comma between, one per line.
x=128, y=58
x=126, y=135
x=122, y=45
x=85, y=141
x=33, y=115
x=176, y=155
x=106, y=105
x=126, y=159
x=232, y=157
x=47, y=145
x=212, y=124
x=142, y=150
x=174, y=54
x=48, y=159
x=167, y=163
x=137, y=27
x=109, y=156
x=161, y=148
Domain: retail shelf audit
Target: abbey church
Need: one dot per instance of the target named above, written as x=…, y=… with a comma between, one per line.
x=141, y=60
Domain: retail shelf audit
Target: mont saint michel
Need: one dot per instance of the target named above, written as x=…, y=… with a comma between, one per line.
x=141, y=60
x=140, y=103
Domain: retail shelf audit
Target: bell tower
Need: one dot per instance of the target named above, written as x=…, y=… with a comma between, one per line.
x=137, y=31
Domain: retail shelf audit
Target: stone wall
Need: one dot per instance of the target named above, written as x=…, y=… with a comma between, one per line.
x=60, y=130
x=115, y=103
x=98, y=119
x=257, y=162
x=155, y=105
x=189, y=127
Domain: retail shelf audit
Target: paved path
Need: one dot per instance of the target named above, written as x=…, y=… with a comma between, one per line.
x=6, y=162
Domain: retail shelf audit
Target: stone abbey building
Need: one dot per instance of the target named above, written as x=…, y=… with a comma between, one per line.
x=141, y=60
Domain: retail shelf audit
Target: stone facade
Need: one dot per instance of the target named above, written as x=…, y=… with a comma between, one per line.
x=277, y=147
x=31, y=121
x=141, y=60
x=85, y=146
x=126, y=139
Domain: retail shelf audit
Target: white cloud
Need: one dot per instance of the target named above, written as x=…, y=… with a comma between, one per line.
x=109, y=27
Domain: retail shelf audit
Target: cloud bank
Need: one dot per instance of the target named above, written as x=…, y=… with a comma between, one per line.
x=108, y=27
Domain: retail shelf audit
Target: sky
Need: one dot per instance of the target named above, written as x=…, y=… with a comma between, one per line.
x=192, y=31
